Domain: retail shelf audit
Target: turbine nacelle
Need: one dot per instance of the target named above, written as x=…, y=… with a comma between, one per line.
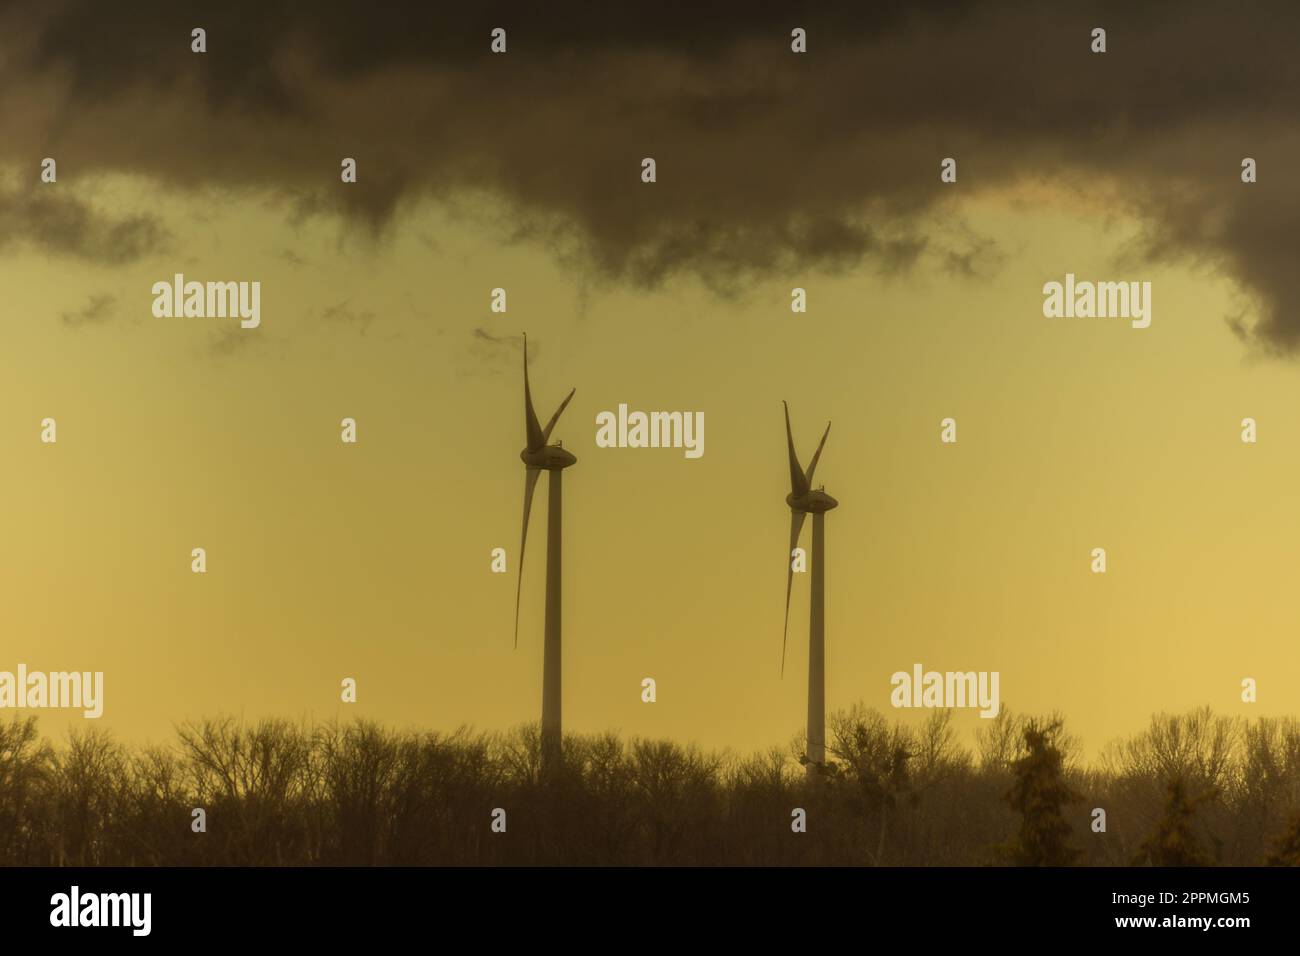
x=548, y=458
x=811, y=502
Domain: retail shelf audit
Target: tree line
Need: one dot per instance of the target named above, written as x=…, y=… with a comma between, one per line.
x=1190, y=789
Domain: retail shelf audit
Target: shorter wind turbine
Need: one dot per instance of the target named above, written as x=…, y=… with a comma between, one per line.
x=538, y=456
x=803, y=501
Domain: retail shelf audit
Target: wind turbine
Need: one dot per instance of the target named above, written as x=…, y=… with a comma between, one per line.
x=803, y=501
x=537, y=457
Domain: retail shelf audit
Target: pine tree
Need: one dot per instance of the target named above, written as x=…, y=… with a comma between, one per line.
x=1173, y=842
x=1040, y=794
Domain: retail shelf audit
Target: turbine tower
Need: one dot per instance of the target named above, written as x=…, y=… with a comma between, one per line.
x=537, y=457
x=803, y=501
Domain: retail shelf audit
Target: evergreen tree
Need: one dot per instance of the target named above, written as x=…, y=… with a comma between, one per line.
x=1040, y=794
x=1173, y=842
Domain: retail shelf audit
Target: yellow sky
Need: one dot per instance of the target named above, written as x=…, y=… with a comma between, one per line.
x=372, y=561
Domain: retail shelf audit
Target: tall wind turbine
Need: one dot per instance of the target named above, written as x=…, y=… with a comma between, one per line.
x=538, y=456
x=803, y=501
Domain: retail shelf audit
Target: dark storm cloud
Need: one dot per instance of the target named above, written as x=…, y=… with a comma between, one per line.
x=109, y=49
x=768, y=162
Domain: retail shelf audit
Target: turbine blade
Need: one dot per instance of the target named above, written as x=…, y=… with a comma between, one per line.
x=546, y=432
x=796, y=525
x=812, y=468
x=535, y=437
x=530, y=482
x=798, y=484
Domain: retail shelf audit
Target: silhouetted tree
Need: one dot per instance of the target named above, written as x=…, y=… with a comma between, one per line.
x=1286, y=851
x=25, y=767
x=876, y=763
x=1173, y=842
x=1040, y=794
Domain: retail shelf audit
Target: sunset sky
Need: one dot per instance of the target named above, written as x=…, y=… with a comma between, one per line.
x=522, y=171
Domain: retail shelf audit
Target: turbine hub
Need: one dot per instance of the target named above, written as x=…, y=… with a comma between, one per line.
x=548, y=458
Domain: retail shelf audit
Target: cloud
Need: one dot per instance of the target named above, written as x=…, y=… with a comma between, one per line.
x=67, y=226
x=344, y=314
x=499, y=353
x=768, y=162
x=964, y=252
x=227, y=343
x=235, y=343
x=98, y=310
